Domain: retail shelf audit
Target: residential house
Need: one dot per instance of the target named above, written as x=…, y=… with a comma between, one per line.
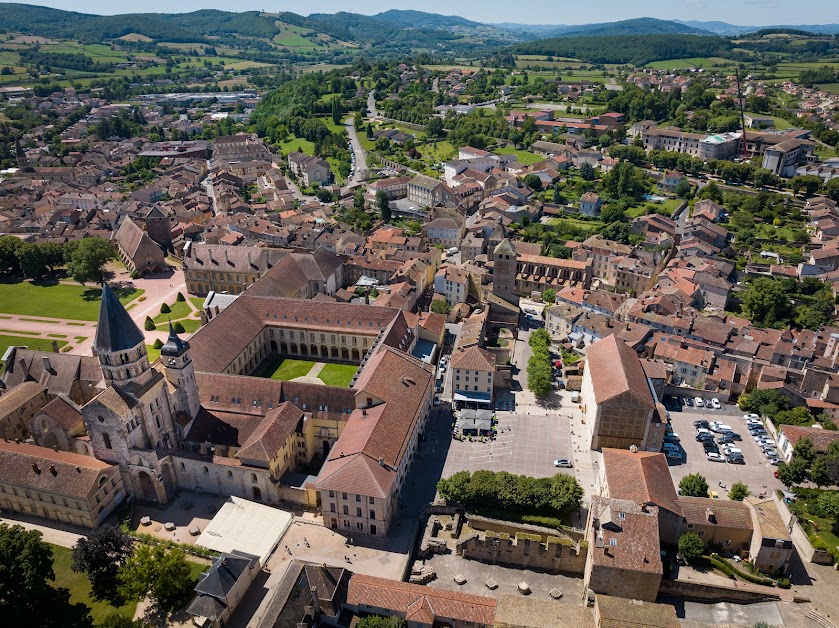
x=771, y=547
x=473, y=373
x=590, y=204
x=222, y=587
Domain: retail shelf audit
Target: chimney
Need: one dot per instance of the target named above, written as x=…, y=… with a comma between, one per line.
x=709, y=515
x=315, y=602
x=53, y=470
x=45, y=361
x=381, y=462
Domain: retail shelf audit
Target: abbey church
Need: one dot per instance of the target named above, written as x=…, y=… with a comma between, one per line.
x=115, y=425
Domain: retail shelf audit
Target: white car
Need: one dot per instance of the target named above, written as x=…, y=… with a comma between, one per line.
x=751, y=417
x=699, y=403
x=731, y=450
x=719, y=428
x=714, y=457
x=715, y=403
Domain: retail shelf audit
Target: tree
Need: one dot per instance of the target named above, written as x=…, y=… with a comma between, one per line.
x=566, y=493
x=32, y=261
x=9, y=262
x=180, y=297
x=587, y=171
x=152, y=571
x=793, y=473
x=115, y=620
x=691, y=546
x=831, y=189
x=149, y=325
x=804, y=449
x=383, y=204
x=694, y=485
x=539, y=375
x=766, y=303
x=158, y=344
x=739, y=492
x=178, y=327
x=764, y=402
x=533, y=182
x=440, y=306
x=336, y=110
x=612, y=213
x=820, y=473
x=100, y=554
x=434, y=127
x=87, y=258
x=456, y=488
x=165, y=309
x=809, y=184
x=25, y=568
x=549, y=295
x=829, y=504
x=539, y=338
x=377, y=621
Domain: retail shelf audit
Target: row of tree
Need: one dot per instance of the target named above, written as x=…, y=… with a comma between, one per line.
x=539, y=364
x=84, y=259
x=557, y=495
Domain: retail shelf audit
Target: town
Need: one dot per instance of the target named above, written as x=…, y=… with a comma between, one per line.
x=405, y=342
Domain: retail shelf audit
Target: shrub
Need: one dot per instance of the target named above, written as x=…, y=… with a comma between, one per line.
x=179, y=329
x=690, y=546
x=165, y=309
x=180, y=297
x=149, y=324
x=158, y=344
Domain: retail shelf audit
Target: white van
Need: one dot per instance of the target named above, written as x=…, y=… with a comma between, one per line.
x=575, y=396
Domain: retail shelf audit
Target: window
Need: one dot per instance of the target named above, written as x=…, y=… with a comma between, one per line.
x=331, y=507
x=107, y=439
x=332, y=493
x=613, y=542
x=372, y=529
x=372, y=514
x=346, y=509
x=358, y=512
x=206, y=471
x=372, y=500
x=358, y=498
x=343, y=495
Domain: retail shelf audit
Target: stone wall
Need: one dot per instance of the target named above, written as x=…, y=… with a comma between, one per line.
x=712, y=594
x=799, y=537
x=526, y=551
x=477, y=522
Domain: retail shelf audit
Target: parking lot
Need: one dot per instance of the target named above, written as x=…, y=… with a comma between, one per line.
x=757, y=473
x=526, y=444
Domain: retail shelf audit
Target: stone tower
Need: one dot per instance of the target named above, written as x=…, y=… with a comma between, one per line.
x=159, y=227
x=504, y=272
x=119, y=344
x=180, y=373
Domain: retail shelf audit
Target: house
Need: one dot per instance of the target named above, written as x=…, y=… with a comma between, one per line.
x=445, y=231
x=771, y=547
x=59, y=485
x=754, y=121
x=310, y=169
x=226, y=269
x=671, y=180
x=139, y=253
x=618, y=401
x=590, y=204
x=222, y=587
x=719, y=521
x=419, y=605
x=624, y=551
x=789, y=435
x=426, y=192
x=473, y=372
x=453, y=283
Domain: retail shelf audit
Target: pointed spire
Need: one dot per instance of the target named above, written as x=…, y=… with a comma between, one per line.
x=116, y=331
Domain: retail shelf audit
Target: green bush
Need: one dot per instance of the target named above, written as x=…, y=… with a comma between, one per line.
x=165, y=309
x=180, y=297
x=179, y=328
x=728, y=568
x=158, y=344
x=149, y=325
x=784, y=583
x=722, y=566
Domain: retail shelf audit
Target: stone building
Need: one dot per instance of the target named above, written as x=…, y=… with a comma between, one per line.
x=137, y=250
x=618, y=400
x=226, y=269
x=18, y=406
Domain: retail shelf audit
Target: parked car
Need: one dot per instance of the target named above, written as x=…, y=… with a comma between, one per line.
x=735, y=436
x=701, y=423
x=563, y=463
x=673, y=455
x=735, y=460
x=725, y=439
x=714, y=456
x=720, y=428
x=699, y=403
x=752, y=417
x=689, y=402
x=715, y=403
x=710, y=445
x=728, y=450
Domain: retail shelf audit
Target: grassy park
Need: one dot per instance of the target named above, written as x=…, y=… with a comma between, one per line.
x=57, y=300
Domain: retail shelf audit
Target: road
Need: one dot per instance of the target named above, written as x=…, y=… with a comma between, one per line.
x=371, y=104
x=360, y=173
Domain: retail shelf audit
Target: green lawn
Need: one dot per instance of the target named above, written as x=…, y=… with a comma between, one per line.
x=153, y=353
x=296, y=144
x=198, y=302
x=79, y=587
x=522, y=156
x=61, y=300
x=337, y=374
x=180, y=309
x=284, y=368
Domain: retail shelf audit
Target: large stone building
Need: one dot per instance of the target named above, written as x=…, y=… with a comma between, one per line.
x=618, y=401
x=221, y=268
x=139, y=253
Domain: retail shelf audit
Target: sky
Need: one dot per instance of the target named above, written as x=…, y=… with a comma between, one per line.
x=744, y=12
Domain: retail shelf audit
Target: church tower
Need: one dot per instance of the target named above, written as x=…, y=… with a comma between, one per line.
x=119, y=344
x=504, y=272
x=180, y=372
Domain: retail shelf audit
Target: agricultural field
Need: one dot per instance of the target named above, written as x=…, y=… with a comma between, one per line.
x=692, y=62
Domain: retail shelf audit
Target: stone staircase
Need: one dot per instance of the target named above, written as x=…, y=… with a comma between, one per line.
x=811, y=613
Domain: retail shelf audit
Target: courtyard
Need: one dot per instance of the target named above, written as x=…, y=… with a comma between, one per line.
x=309, y=371
x=189, y=511
x=58, y=299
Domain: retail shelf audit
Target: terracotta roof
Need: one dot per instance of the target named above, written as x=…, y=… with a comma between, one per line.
x=726, y=513
x=769, y=521
x=642, y=477
x=618, y=612
x=821, y=438
x=630, y=541
x=32, y=466
x=474, y=359
x=64, y=412
x=419, y=603
x=272, y=433
x=615, y=370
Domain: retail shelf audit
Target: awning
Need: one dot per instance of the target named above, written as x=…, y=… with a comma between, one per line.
x=472, y=396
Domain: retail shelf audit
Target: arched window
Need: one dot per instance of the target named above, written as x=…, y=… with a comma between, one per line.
x=107, y=439
x=206, y=471
x=253, y=477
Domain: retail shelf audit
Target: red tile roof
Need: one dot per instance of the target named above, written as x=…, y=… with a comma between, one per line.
x=642, y=477
x=615, y=369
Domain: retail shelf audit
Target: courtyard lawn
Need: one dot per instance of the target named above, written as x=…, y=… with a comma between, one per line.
x=198, y=302
x=61, y=300
x=337, y=374
x=79, y=587
x=153, y=353
x=284, y=368
x=180, y=309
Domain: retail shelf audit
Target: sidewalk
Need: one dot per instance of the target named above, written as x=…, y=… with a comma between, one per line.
x=65, y=535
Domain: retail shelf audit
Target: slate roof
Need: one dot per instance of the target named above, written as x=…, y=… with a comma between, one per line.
x=116, y=331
